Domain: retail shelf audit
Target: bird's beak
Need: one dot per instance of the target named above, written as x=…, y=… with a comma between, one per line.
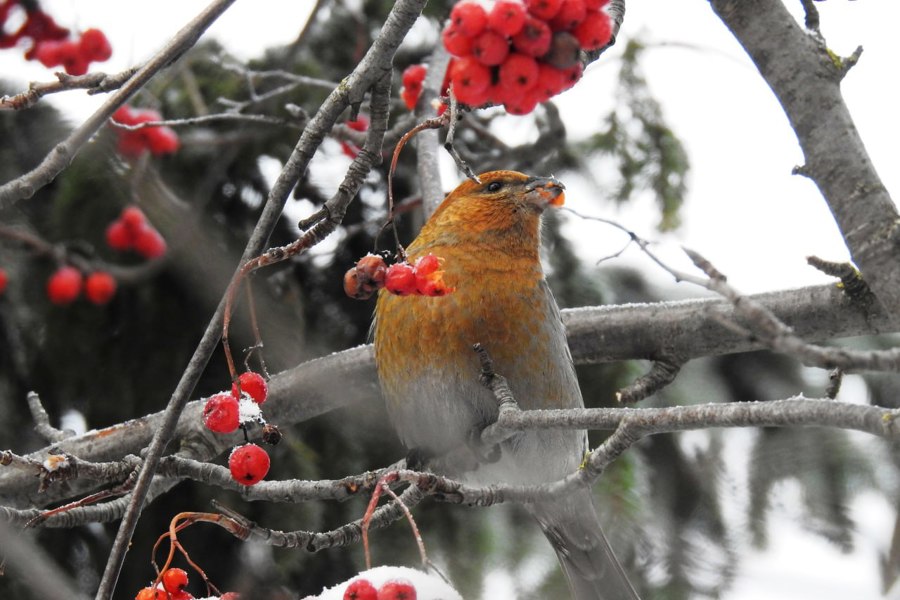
x=544, y=191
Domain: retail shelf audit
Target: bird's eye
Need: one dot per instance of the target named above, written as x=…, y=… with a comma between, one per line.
x=495, y=186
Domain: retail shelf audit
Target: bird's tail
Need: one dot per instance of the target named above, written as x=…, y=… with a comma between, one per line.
x=591, y=568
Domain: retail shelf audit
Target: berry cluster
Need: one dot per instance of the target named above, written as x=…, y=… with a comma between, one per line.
x=50, y=43
x=67, y=283
x=132, y=143
x=395, y=589
x=132, y=231
x=371, y=273
x=226, y=411
x=75, y=56
x=173, y=586
x=519, y=54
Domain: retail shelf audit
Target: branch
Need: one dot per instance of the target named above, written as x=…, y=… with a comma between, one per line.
x=805, y=78
x=687, y=329
x=94, y=83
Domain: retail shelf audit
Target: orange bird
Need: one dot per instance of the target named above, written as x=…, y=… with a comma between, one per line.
x=488, y=235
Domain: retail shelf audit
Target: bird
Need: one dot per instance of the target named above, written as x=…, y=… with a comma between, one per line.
x=486, y=234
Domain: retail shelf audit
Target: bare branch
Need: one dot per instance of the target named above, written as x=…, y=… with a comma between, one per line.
x=94, y=83
x=806, y=80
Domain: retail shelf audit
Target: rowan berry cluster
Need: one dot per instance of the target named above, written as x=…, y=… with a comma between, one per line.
x=371, y=273
x=395, y=589
x=132, y=143
x=132, y=231
x=226, y=411
x=50, y=43
x=520, y=53
x=173, y=586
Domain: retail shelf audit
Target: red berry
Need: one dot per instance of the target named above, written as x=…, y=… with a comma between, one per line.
x=470, y=80
x=221, y=413
x=413, y=76
x=410, y=97
x=360, y=589
x=490, y=48
x=400, y=279
x=427, y=265
x=100, y=287
x=524, y=103
x=64, y=285
x=573, y=75
x=518, y=73
x=94, y=45
x=72, y=58
x=427, y=286
x=133, y=218
x=534, y=38
x=248, y=464
x=366, y=278
x=456, y=42
x=397, y=589
x=131, y=144
x=361, y=123
x=150, y=593
x=149, y=243
x=550, y=82
x=174, y=580
x=571, y=13
x=4, y=279
x=161, y=140
x=41, y=26
x=594, y=32
x=47, y=52
x=469, y=18
x=543, y=9
x=254, y=385
x=507, y=17
x=118, y=236
x=595, y=4
x=124, y=115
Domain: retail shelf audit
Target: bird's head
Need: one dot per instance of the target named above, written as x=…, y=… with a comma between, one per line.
x=502, y=204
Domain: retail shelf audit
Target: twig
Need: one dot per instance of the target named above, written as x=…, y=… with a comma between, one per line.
x=455, y=116
x=42, y=421
x=778, y=336
x=94, y=83
x=852, y=281
x=835, y=378
x=432, y=123
x=662, y=372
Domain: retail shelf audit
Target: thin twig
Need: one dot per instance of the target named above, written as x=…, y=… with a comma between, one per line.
x=42, y=421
